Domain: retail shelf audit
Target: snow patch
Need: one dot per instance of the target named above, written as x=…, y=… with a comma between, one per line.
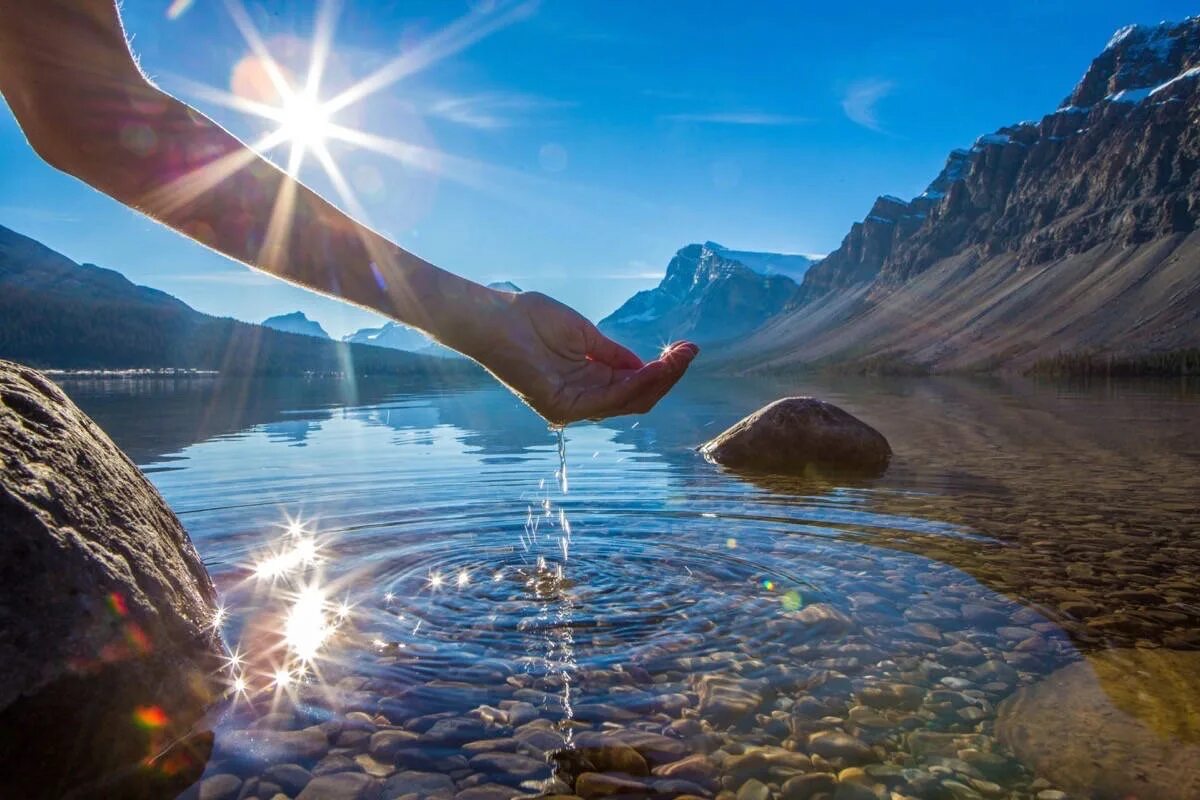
x=993, y=138
x=1194, y=72
x=1130, y=95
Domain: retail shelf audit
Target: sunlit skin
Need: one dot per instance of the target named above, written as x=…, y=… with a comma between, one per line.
x=78, y=95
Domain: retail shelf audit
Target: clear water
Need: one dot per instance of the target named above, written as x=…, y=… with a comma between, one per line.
x=394, y=559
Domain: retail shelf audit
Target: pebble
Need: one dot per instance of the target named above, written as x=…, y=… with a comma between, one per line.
x=425, y=785
x=342, y=786
x=837, y=746
x=803, y=787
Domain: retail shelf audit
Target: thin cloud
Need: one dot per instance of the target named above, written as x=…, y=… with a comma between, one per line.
x=632, y=276
x=247, y=277
x=861, y=99
x=492, y=111
x=737, y=118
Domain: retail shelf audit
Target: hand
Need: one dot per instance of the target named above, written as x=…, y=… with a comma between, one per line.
x=566, y=370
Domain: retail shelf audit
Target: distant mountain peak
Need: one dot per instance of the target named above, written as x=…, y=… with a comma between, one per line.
x=709, y=293
x=296, y=322
x=505, y=286
x=1138, y=59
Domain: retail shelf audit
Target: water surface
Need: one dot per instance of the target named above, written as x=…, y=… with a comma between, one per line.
x=422, y=603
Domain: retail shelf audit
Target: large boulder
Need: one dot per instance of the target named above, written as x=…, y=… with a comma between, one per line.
x=1121, y=724
x=797, y=434
x=107, y=638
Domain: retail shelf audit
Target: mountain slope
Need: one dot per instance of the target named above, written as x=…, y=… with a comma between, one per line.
x=708, y=295
x=296, y=322
x=55, y=313
x=1076, y=233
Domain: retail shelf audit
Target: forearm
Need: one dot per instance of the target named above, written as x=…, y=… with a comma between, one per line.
x=181, y=168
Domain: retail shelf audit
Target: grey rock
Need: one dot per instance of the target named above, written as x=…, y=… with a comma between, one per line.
x=509, y=767
x=342, y=786
x=422, y=785
x=104, y=604
x=219, y=787
x=292, y=778
x=796, y=433
x=260, y=749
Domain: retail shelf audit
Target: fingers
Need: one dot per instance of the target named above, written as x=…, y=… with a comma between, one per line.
x=639, y=392
x=606, y=351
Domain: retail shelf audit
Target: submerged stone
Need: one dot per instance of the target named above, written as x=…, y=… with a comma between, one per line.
x=1121, y=724
x=796, y=434
x=107, y=612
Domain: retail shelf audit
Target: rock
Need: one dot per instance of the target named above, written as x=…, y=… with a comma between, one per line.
x=893, y=695
x=105, y=606
x=422, y=785
x=292, y=778
x=836, y=746
x=509, y=767
x=1120, y=724
x=698, y=769
x=729, y=701
x=753, y=789
x=802, y=787
x=607, y=753
x=796, y=433
x=218, y=787
x=384, y=744
x=486, y=791
x=854, y=791
x=260, y=749
x=342, y=786
x=595, y=784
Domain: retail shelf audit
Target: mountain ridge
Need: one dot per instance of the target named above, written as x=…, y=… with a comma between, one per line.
x=708, y=294
x=296, y=322
x=1075, y=233
x=55, y=313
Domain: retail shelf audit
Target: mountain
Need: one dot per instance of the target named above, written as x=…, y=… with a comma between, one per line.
x=1073, y=234
x=709, y=294
x=295, y=322
x=393, y=335
x=55, y=313
x=398, y=336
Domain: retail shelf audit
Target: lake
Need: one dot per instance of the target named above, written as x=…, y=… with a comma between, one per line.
x=425, y=595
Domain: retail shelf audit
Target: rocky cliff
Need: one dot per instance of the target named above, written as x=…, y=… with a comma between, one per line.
x=709, y=294
x=1076, y=232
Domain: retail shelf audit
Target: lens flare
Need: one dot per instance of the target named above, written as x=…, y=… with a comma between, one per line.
x=307, y=626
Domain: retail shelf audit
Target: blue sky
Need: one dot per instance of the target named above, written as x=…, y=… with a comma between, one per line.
x=586, y=141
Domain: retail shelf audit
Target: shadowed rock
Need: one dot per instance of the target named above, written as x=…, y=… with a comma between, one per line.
x=106, y=611
x=1121, y=724
x=797, y=434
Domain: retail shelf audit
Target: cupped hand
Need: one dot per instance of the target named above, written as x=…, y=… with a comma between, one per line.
x=566, y=370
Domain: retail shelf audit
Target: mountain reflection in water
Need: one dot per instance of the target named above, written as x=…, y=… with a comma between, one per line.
x=428, y=639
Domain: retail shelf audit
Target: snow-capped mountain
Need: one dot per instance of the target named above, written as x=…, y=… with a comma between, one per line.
x=395, y=335
x=1075, y=235
x=710, y=293
x=398, y=336
x=296, y=322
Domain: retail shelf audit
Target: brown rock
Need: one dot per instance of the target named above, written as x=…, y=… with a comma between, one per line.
x=105, y=606
x=795, y=434
x=1121, y=724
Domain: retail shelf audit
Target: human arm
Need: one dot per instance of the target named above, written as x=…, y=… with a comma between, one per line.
x=87, y=109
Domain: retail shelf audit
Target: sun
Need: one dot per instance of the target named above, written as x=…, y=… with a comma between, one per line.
x=304, y=120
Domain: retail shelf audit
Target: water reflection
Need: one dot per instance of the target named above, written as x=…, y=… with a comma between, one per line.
x=664, y=620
